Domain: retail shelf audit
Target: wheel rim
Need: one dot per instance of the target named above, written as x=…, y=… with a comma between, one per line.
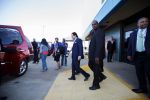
x=23, y=67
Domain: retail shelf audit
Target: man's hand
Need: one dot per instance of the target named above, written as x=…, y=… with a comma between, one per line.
x=79, y=58
x=97, y=60
x=129, y=58
x=18, y=49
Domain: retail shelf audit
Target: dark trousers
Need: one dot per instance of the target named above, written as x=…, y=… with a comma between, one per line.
x=109, y=56
x=142, y=66
x=97, y=70
x=35, y=59
x=76, y=68
x=63, y=60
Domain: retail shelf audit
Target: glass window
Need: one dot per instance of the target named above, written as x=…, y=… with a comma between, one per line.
x=103, y=1
x=10, y=36
x=29, y=43
x=127, y=34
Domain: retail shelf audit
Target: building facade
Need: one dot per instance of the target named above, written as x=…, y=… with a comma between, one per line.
x=119, y=18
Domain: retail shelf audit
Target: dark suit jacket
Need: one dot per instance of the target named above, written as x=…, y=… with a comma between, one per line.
x=132, y=43
x=35, y=45
x=109, y=46
x=97, y=45
x=77, y=49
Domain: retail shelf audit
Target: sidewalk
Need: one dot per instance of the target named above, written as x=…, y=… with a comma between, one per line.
x=113, y=88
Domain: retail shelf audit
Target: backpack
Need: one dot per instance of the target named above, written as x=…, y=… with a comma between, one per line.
x=50, y=51
x=61, y=49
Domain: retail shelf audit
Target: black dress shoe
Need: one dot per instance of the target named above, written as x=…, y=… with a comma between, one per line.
x=77, y=73
x=103, y=78
x=72, y=78
x=94, y=87
x=139, y=91
x=100, y=80
x=87, y=77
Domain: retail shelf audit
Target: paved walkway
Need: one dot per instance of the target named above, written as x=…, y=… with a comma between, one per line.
x=113, y=88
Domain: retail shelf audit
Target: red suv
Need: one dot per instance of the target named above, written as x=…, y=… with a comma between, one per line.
x=14, y=63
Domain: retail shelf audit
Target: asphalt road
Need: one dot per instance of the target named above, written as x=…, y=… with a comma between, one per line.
x=35, y=84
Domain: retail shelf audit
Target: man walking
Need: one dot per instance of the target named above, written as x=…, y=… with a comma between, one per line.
x=64, y=54
x=77, y=55
x=56, y=53
x=139, y=52
x=35, y=49
x=96, y=54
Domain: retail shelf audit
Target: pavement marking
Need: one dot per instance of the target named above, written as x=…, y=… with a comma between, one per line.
x=111, y=88
x=127, y=85
x=86, y=68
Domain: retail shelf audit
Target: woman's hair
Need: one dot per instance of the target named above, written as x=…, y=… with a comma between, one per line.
x=75, y=34
x=44, y=42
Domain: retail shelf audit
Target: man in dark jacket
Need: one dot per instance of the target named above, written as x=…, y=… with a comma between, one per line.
x=139, y=52
x=35, y=49
x=109, y=50
x=96, y=54
x=77, y=55
x=63, y=55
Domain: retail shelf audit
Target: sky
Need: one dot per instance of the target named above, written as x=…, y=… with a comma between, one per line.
x=49, y=18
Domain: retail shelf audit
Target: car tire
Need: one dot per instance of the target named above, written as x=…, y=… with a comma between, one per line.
x=23, y=68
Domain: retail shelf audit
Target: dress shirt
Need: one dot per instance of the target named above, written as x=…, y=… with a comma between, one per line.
x=140, y=43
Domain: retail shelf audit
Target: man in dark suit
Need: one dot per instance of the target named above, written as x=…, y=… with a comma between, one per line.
x=109, y=50
x=96, y=54
x=35, y=49
x=139, y=51
x=77, y=55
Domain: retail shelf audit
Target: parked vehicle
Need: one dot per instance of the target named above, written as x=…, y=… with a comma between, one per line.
x=15, y=63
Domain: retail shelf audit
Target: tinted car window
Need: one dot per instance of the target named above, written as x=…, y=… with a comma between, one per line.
x=29, y=43
x=10, y=36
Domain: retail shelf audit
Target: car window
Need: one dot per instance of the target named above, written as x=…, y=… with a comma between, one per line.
x=29, y=46
x=10, y=36
x=29, y=43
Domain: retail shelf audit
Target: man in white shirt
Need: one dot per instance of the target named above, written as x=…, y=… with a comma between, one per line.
x=139, y=52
